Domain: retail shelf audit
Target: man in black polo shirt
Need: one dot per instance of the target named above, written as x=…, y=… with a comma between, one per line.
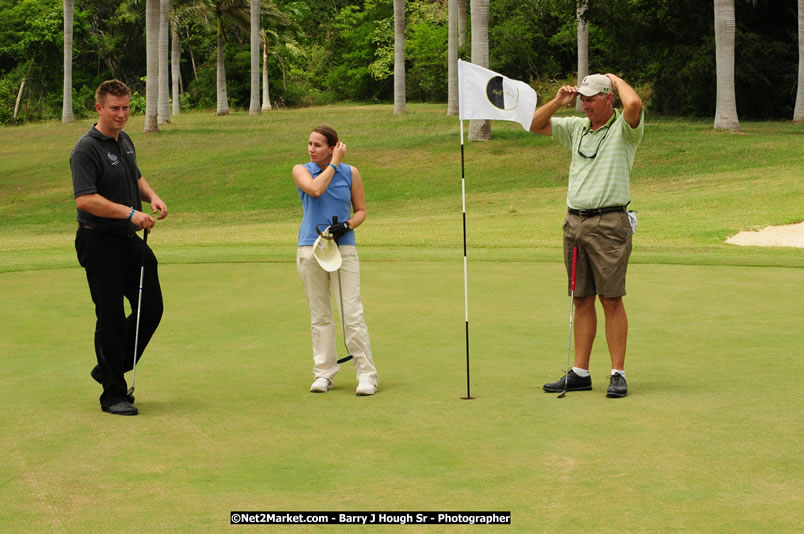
x=109, y=189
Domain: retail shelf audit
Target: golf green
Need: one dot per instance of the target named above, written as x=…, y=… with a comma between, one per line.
x=706, y=441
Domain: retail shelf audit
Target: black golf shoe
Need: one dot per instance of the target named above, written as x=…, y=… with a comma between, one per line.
x=574, y=383
x=121, y=408
x=617, y=387
x=95, y=373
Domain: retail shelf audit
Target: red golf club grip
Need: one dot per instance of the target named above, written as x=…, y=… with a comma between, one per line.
x=574, y=265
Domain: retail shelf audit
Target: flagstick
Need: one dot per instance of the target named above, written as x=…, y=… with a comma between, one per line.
x=465, y=277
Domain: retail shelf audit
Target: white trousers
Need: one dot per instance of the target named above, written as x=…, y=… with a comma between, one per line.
x=317, y=285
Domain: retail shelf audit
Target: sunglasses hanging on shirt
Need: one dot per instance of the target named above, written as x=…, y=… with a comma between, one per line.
x=585, y=153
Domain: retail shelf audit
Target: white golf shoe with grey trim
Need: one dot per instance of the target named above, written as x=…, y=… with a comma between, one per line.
x=365, y=388
x=321, y=385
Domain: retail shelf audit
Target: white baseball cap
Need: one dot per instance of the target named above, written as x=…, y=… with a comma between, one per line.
x=594, y=84
x=327, y=253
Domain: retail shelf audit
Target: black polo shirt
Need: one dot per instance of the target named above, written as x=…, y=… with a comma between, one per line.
x=101, y=165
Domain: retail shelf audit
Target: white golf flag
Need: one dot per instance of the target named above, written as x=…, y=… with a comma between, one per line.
x=484, y=94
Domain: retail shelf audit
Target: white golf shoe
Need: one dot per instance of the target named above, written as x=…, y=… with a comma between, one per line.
x=365, y=388
x=321, y=385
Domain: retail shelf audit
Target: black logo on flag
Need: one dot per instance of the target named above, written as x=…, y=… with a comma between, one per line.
x=502, y=94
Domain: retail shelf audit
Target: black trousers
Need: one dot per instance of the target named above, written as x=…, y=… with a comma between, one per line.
x=112, y=263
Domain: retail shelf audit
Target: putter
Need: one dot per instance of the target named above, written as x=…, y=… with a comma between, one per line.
x=137, y=327
x=572, y=305
x=343, y=323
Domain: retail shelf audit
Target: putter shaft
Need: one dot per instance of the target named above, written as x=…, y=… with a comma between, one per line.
x=137, y=327
x=572, y=306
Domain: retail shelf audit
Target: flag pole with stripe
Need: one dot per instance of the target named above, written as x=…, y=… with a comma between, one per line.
x=485, y=95
x=465, y=269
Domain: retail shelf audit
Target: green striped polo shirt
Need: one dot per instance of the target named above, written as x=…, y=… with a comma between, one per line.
x=600, y=171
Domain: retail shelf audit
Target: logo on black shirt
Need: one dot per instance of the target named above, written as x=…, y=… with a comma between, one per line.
x=112, y=158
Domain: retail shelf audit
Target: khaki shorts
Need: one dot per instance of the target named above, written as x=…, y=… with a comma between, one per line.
x=604, y=246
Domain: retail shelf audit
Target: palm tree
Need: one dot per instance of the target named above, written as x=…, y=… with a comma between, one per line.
x=284, y=37
x=67, y=102
x=222, y=98
x=452, y=57
x=798, y=112
x=233, y=10
x=152, y=61
x=175, y=62
x=480, y=130
x=236, y=12
x=583, y=46
x=461, y=23
x=254, y=104
x=163, y=105
x=726, y=103
x=177, y=19
x=266, y=97
x=399, y=57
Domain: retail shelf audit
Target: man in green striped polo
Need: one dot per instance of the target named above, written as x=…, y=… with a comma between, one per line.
x=603, y=146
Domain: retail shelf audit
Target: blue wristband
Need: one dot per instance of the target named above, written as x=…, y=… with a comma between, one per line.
x=130, y=215
x=334, y=167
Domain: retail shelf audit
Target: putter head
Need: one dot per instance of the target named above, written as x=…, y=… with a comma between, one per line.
x=562, y=395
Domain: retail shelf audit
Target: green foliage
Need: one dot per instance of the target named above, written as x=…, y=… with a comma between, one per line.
x=7, y=97
x=426, y=52
x=348, y=73
x=137, y=103
x=201, y=92
x=382, y=67
x=84, y=101
x=323, y=51
x=669, y=44
x=238, y=77
x=35, y=45
x=531, y=40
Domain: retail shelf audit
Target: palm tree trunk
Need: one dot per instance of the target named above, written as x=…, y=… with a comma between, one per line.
x=22, y=88
x=152, y=65
x=726, y=102
x=254, y=104
x=266, y=99
x=399, y=57
x=222, y=98
x=461, y=23
x=67, y=99
x=284, y=72
x=452, y=58
x=583, y=47
x=480, y=130
x=175, y=65
x=163, y=113
x=192, y=57
x=798, y=112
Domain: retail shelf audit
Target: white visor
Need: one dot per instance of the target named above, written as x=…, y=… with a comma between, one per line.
x=326, y=253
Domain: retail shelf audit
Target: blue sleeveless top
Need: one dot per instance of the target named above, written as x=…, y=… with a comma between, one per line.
x=336, y=200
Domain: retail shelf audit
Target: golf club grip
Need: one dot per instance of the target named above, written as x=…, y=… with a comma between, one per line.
x=145, y=238
x=574, y=266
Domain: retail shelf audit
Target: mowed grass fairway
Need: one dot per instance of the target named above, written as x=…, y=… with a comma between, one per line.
x=708, y=439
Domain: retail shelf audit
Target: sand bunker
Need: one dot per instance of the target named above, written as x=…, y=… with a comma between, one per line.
x=790, y=235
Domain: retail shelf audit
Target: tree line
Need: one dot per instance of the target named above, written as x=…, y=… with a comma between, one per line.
x=323, y=51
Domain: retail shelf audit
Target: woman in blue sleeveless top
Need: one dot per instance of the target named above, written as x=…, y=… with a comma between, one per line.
x=329, y=188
